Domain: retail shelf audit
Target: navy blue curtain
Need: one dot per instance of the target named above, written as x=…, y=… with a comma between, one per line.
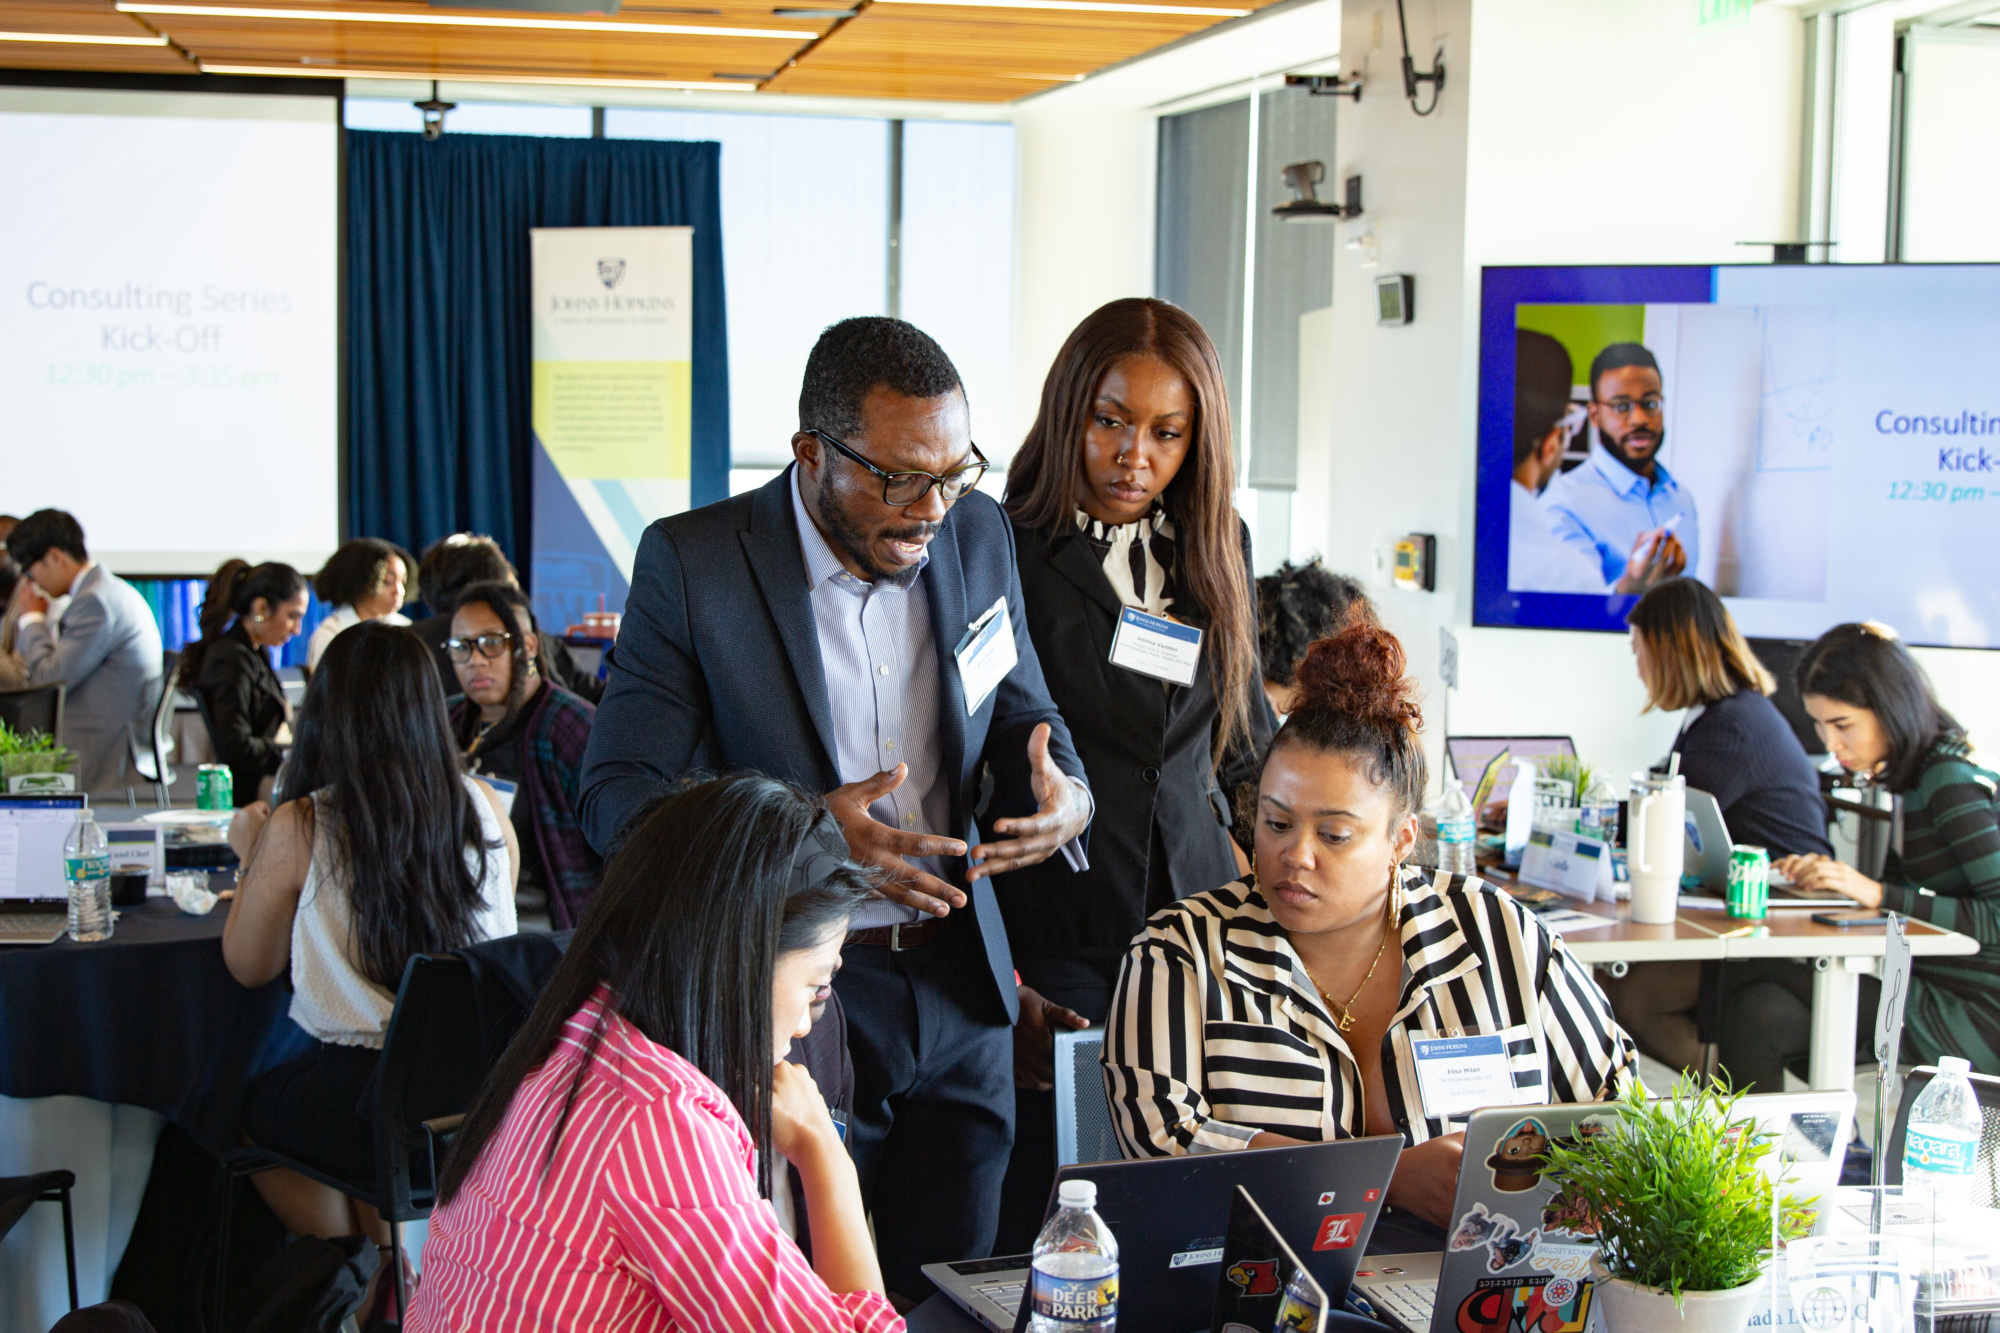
x=438, y=320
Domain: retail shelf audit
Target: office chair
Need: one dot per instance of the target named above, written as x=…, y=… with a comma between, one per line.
x=36, y=708
x=1985, y=1166
x=149, y=760
x=1083, y=1111
x=433, y=1061
x=20, y=1193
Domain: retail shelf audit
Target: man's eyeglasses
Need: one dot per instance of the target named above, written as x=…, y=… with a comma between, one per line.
x=489, y=645
x=906, y=488
x=1622, y=407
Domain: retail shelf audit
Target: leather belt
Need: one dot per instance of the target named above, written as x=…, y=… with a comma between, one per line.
x=899, y=937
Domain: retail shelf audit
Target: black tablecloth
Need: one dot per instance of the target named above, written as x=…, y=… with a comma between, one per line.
x=150, y=1017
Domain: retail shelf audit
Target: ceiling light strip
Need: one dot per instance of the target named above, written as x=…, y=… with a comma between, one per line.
x=448, y=76
x=1082, y=6
x=81, y=39
x=435, y=19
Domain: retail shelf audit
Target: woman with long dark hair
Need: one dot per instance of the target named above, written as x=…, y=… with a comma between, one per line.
x=1121, y=500
x=514, y=722
x=1874, y=708
x=611, y=1171
x=381, y=850
x=367, y=578
x=246, y=612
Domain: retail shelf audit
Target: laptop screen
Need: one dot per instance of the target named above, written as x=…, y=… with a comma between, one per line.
x=1471, y=754
x=32, y=831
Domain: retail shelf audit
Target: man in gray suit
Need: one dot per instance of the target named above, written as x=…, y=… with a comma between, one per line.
x=106, y=648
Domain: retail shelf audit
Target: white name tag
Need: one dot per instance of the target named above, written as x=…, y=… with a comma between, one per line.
x=504, y=789
x=985, y=655
x=1458, y=1075
x=1155, y=646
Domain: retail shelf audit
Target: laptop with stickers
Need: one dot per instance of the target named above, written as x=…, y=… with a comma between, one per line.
x=1170, y=1215
x=1518, y=1252
x=1263, y=1287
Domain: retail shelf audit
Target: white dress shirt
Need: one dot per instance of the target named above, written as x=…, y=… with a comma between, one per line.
x=1540, y=561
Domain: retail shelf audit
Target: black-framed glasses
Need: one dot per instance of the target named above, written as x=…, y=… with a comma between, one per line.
x=1622, y=406
x=490, y=645
x=906, y=488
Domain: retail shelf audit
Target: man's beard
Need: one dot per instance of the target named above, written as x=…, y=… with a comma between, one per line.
x=854, y=543
x=1658, y=442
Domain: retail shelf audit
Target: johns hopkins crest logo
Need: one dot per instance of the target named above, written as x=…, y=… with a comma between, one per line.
x=609, y=271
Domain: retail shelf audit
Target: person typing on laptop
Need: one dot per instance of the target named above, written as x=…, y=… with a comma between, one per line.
x=1295, y=1005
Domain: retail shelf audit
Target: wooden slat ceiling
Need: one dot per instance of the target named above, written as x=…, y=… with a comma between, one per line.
x=886, y=49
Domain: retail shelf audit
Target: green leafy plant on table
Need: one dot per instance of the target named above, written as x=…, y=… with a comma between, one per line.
x=1679, y=1192
x=32, y=752
x=1568, y=768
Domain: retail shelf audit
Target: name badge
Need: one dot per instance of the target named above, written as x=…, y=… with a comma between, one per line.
x=1155, y=646
x=985, y=655
x=1458, y=1075
x=504, y=789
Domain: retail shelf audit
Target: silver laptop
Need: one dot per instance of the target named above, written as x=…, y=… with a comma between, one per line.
x=34, y=892
x=1518, y=1252
x=1707, y=859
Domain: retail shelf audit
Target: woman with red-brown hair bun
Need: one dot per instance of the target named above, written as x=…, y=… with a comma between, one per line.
x=1342, y=954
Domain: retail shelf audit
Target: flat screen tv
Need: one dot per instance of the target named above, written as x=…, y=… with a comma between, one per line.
x=1818, y=443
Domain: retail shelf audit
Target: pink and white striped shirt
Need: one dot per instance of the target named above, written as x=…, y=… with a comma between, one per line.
x=648, y=1217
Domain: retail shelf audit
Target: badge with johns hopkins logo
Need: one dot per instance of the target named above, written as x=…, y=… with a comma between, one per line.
x=609, y=271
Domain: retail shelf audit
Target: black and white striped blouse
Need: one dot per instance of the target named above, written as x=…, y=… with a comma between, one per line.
x=1217, y=1033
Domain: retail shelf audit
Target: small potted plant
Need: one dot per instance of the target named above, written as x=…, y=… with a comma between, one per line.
x=36, y=761
x=1682, y=1206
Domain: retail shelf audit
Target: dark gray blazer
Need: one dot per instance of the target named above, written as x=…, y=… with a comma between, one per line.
x=717, y=667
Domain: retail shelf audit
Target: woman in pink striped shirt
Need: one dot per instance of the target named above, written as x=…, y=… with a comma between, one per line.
x=608, y=1175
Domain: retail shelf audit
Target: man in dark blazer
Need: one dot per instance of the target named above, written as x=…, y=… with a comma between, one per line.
x=822, y=630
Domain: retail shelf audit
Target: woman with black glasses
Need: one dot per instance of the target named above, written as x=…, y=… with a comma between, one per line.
x=517, y=726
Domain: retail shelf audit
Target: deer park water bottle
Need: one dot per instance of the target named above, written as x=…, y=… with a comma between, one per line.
x=87, y=867
x=1074, y=1285
x=1943, y=1140
x=1458, y=827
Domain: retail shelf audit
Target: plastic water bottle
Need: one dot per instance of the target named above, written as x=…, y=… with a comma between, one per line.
x=87, y=867
x=1943, y=1140
x=1074, y=1285
x=1458, y=826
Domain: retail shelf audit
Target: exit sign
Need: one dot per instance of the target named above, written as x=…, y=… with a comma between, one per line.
x=1721, y=13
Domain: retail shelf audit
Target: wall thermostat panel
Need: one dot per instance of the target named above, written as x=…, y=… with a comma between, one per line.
x=1395, y=298
x=1416, y=562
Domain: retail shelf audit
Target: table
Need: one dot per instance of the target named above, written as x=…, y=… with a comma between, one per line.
x=1839, y=958
x=99, y=1045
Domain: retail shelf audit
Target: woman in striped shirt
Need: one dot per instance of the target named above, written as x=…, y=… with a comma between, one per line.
x=609, y=1173
x=1875, y=710
x=1280, y=1009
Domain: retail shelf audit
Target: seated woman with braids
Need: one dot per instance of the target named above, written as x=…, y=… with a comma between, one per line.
x=1280, y=1009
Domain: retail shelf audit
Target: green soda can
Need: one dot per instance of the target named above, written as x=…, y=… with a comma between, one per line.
x=1749, y=882
x=214, y=789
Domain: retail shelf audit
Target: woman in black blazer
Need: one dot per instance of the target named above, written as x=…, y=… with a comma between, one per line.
x=1121, y=498
x=230, y=669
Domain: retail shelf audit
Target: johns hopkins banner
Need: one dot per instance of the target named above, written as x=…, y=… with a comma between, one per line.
x=613, y=362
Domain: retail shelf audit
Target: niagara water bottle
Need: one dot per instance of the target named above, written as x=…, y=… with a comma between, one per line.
x=1074, y=1283
x=87, y=868
x=1458, y=826
x=1943, y=1140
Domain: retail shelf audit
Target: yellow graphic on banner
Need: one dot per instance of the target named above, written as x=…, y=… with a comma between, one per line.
x=615, y=420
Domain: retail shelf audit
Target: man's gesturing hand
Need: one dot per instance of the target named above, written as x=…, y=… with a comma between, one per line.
x=1062, y=809
x=877, y=844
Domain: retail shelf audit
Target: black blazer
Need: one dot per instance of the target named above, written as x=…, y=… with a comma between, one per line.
x=717, y=667
x=1742, y=752
x=244, y=705
x=1146, y=746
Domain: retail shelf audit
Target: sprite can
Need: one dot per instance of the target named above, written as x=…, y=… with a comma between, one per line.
x=1749, y=882
x=214, y=789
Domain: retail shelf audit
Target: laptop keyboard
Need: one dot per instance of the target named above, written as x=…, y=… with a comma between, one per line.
x=31, y=927
x=1005, y=1294
x=1411, y=1302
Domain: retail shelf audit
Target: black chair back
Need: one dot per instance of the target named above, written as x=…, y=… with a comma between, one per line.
x=36, y=708
x=1985, y=1166
x=433, y=1061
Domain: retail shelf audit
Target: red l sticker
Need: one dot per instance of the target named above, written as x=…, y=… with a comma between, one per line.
x=1371, y=1196
x=1339, y=1231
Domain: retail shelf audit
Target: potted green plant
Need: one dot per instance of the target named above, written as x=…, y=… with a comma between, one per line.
x=34, y=753
x=1682, y=1204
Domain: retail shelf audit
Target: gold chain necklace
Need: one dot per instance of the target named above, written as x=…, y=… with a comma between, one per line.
x=1344, y=1019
